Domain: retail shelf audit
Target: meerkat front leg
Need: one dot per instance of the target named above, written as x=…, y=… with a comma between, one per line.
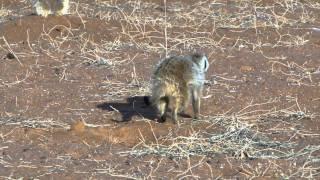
x=175, y=108
x=196, y=96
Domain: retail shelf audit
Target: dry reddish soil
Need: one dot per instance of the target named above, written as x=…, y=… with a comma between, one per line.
x=72, y=87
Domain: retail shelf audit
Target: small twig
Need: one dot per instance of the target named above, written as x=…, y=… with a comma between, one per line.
x=11, y=51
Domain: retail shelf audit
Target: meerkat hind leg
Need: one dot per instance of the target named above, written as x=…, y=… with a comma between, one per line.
x=175, y=106
x=162, y=106
x=184, y=105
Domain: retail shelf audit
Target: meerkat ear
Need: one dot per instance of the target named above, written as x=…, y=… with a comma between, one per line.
x=205, y=63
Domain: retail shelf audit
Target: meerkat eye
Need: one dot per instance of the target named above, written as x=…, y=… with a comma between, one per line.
x=197, y=56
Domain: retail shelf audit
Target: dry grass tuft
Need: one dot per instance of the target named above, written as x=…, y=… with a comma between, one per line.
x=32, y=122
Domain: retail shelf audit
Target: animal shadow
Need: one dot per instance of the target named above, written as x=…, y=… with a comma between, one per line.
x=134, y=106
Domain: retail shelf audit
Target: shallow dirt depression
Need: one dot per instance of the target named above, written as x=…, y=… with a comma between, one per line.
x=72, y=87
x=129, y=135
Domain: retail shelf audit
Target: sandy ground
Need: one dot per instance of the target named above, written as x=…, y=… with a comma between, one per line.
x=72, y=87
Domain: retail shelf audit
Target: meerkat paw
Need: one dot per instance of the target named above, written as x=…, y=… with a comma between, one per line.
x=177, y=123
x=59, y=13
x=162, y=119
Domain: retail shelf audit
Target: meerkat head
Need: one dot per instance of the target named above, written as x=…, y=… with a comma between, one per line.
x=202, y=60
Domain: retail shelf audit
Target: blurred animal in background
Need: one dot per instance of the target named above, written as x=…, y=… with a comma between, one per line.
x=46, y=7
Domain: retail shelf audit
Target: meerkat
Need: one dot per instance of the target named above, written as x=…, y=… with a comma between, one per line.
x=175, y=80
x=46, y=7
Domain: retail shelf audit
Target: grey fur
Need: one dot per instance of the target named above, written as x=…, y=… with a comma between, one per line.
x=177, y=79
